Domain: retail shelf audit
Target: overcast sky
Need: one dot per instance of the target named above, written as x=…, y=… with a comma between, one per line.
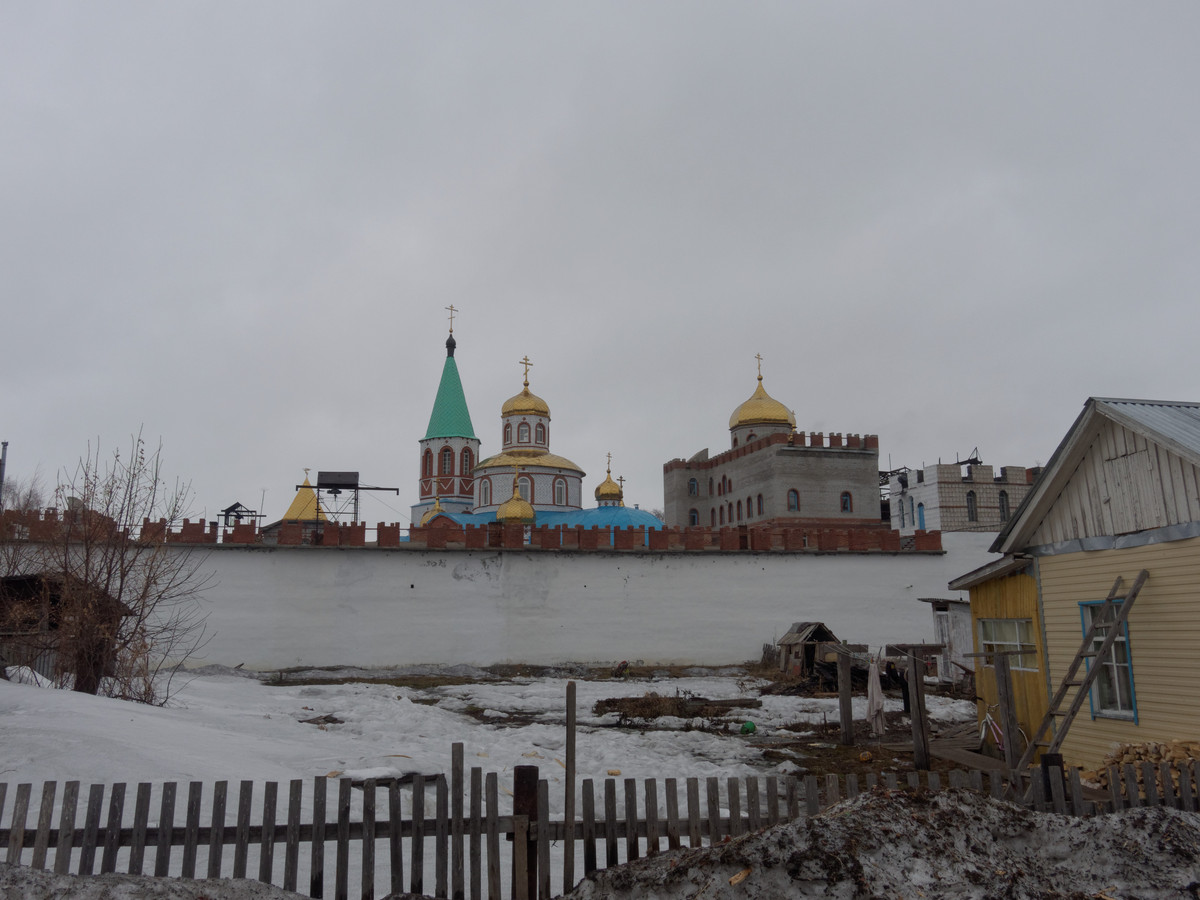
x=236, y=225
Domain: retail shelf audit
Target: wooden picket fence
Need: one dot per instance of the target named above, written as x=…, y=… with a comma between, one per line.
x=463, y=837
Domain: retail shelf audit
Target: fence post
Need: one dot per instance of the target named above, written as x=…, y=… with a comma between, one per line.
x=920, y=727
x=569, y=800
x=525, y=780
x=1008, y=716
x=844, y=706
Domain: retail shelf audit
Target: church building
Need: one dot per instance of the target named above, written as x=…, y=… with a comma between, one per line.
x=775, y=475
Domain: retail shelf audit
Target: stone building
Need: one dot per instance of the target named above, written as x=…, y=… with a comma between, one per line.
x=957, y=497
x=773, y=474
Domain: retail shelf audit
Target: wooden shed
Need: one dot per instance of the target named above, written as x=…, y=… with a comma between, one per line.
x=804, y=645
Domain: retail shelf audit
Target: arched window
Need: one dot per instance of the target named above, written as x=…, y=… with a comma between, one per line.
x=793, y=500
x=749, y=507
x=847, y=502
x=693, y=487
x=728, y=485
x=921, y=516
x=693, y=517
x=539, y=434
x=972, y=507
x=1005, y=512
x=508, y=433
x=710, y=487
x=912, y=509
x=447, y=461
x=722, y=515
x=730, y=513
x=739, y=510
x=735, y=442
x=468, y=461
x=751, y=437
x=560, y=492
x=525, y=486
x=760, y=506
x=903, y=521
x=427, y=464
x=721, y=487
x=485, y=492
x=523, y=433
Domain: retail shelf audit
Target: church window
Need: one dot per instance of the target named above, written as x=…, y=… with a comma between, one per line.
x=560, y=492
x=693, y=487
x=972, y=507
x=508, y=433
x=730, y=513
x=760, y=505
x=710, y=487
x=447, y=461
x=523, y=433
x=749, y=507
x=525, y=486
x=468, y=461
x=847, y=502
x=793, y=500
x=1005, y=512
x=539, y=434
x=751, y=437
x=903, y=521
x=920, y=523
x=693, y=517
x=485, y=492
x=427, y=464
x=739, y=510
x=735, y=442
x=912, y=509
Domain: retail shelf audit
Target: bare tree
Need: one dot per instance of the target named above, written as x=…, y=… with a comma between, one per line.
x=24, y=493
x=117, y=605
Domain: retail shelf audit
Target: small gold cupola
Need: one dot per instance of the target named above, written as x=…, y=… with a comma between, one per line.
x=525, y=403
x=609, y=493
x=761, y=408
x=516, y=510
x=433, y=512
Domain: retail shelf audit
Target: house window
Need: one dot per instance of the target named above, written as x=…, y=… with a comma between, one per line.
x=793, y=500
x=1112, y=692
x=539, y=434
x=468, y=461
x=760, y=505
x=1008, y=635
x=485, y=492
x=693, y=487
x=525, y=487
x=972, y=507
x=693, y=517
x=847, y=502
x=523, y=433
x=560, y=492
x=1004, y=510
x=427, y=464
x=447, y=461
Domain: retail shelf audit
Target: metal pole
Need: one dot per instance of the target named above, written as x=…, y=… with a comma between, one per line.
x=3, y=464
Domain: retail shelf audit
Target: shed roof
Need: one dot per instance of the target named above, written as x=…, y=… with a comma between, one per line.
x=807, y=632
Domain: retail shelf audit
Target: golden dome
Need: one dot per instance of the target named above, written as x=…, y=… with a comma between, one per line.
x=761, y=409
x=516, y=509
x=609, y=489
x=526, y=458
x=433, y=512
x=525, y=403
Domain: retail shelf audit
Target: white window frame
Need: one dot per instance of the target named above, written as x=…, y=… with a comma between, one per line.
x=1007, y=635
x=1107, y=700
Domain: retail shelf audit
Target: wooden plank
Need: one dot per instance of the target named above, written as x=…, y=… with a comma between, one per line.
x=1149, y=785
x=241, y=843
x=475, y=834
x=1040, y=802
x=395, y=850
x=793, y=798
x=341, y=871
x=3, y=795
x=1168, y=786
x=812, y=795
x=651, y=787
x=493, y=835
x=1114, y=788
x=191, y=829
x=543, y=837
x=16, y=832
x=216, y=844
x=692, y=786
x=872, y=781
x=933, y=781
x=368, y=839
x=1187, y=798
x=975, y=780
x=91, y=828
x=1058, y=799
x=997, y=784
x=734, y=801
x=457, y=844
x=66, y=826
x=753, y=804
x=520, y=863
x=1132, y=796
x=631, y=820
x=1076, y=787
x=610, y=822
x=914, y=781
x=416, y=856
x=266, y=850
x=713, y=789
x=291, y=853
x=851, y=786
x=672, y=791
x=890, y=781
x=845, y=715
x=112, y=830
x=958, y=778
x=833, y=793
x=772, y=800
x=589, y=826
x=441, y=837
x=41, y=842
x=316, y=862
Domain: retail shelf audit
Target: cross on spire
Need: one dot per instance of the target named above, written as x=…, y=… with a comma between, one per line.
x=621, y=482
x=452, y=312
x=758, y=356
x=526, y=363
x=608, y=468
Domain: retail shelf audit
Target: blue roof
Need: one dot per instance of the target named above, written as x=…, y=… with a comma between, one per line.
x=600, y=517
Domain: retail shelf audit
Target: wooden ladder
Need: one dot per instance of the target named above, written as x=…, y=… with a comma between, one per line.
x=1072, y=679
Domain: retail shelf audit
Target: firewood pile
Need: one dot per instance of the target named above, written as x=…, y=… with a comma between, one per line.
x=1177, y=754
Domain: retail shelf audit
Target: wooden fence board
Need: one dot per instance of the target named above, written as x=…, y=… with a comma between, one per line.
x=395, y=848
x=1187, y=799
x=493, y=836
x=191, y=829
x=112, y=830
x=733, y=799
x=416, y=857
x=543, y=837
x=91, y=829
x=793, y=798
x=651, y=803
x=631, y=817
x=610, y=822
x=588, y=829
x=457, y=843
x=475, y=834
x=316, y=862
x=266, y=850
x=291, y=852
x=216, y=845
x=693, y=808
x=441, y=837
x=341, y=873
x=368, y=840
x=1168, y=787
x=41, y=843
x=851, y=786
x=66, y=828
x=713, y=790
x=812, y=799
x=671, y=786
x=753, y=804
x=772, y=800
x=241, y=846
x=16, y=834
x=833, y=792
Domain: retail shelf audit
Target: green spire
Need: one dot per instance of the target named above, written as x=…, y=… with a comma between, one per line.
x=450, y=417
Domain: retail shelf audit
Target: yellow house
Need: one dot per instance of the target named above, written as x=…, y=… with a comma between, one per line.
x=1121, y=494
x=1005, y=617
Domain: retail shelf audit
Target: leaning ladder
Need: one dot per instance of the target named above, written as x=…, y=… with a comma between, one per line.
x=1073, y=680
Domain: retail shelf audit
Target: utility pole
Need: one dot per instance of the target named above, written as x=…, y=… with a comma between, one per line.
x=3, y=463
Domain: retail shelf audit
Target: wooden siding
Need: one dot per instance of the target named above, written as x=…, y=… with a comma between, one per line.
x=1013, y=597
x=1124, y=484
x=1164, y=640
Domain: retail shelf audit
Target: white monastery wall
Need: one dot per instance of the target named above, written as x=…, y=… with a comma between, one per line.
x=312, y=606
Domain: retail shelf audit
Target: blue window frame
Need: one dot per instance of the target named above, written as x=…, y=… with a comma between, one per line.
x=1113, y=695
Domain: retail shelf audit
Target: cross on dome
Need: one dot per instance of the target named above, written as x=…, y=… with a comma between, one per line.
x=526, y=363
x=452, y=312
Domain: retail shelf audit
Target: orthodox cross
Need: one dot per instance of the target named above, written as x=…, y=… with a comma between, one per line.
x=621, y=481
x=526, y=363
x=609, y=466
x=452, y=312
x=757, y=356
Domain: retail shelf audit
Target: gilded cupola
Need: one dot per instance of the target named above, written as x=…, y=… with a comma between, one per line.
x=761, y=408
x=609, y=493
x=525, y=403
x=516, y=509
